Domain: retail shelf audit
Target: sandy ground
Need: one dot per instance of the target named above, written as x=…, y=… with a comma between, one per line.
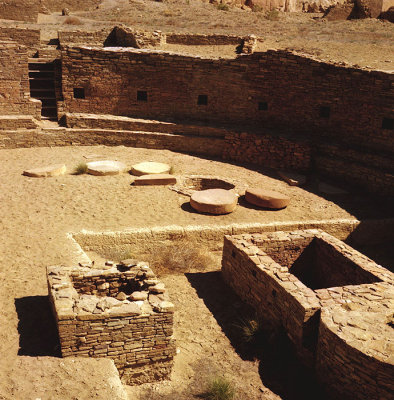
x=36, y=214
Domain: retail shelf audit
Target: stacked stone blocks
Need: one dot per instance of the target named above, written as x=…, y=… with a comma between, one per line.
x=119, y=311
x=334, y=304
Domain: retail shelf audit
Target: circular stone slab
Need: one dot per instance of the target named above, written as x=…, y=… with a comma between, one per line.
x=266, y=198
x=155, y=179
x=101, y=168
x=150, y=167
x=214, y=201
x=51, y=170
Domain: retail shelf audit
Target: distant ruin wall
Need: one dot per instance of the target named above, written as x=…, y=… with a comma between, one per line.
x=14, y=82
x=26, y=36
x=198, y=40
x=86, y=38
x=20, y=10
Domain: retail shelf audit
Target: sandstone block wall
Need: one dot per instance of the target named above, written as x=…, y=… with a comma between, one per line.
x=20, y=10
x=344, y=331
x=14, y=82
x=28, y=37
x=344, y=108
x=121, y=312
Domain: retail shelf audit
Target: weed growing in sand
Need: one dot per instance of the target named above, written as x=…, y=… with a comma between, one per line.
x=179, y=258
x=81, y=169
x=219, y=389
x=256, y=8
x=251, y=330
x=72, y=21
x=272, y=15
x=223, y=7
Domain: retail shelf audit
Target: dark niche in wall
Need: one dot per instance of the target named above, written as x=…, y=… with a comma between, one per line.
x=202, y=100
x=324, y=112
x=142, y=95
x=263, y=106
x=388, y=123
x=79, y=93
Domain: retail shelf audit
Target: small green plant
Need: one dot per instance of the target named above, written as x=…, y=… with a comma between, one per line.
x=251, y=330
x=219, y=389
x=272, y=15
x=81, y=169
x=257, y=8
x=223, y=7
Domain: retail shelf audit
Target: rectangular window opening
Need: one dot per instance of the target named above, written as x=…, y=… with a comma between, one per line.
x=79, y=93
x=324, y=112
x=263, y=106
x=142, y=95
x=202, y=100
x=388, y=123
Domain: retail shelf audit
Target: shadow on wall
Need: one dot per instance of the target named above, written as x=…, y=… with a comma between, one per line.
x=37, y=329
x=279, y=369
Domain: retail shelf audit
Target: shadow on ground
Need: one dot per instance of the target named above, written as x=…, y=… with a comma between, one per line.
x=37, y=329
x=279, y=369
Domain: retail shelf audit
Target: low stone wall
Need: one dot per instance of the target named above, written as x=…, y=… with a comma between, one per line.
x=74, y=37
x=28, y=37
x=14, y=122
x=20, y=10
x=346, y=328
x=198, y=40
x=121, y=312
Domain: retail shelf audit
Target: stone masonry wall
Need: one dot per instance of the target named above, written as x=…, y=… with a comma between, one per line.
x=347, y=334
x=121, y=312
x=20, y=10
x=28, y=37
x=14, y=82
x=276, y=90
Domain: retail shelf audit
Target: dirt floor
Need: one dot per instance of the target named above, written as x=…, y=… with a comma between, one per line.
x=36, y=214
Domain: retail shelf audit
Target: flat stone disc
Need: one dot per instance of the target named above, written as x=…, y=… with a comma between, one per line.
x=266, y=198
x=214, y=201
x=150, y=167
x=106, y=167
x=51, y=170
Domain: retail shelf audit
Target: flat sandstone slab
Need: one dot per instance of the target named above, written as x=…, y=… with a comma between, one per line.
x=51, y=170
x=266, y=198
x=106, y=167
x=150, y=167
x=155, y=179
x=214, y=201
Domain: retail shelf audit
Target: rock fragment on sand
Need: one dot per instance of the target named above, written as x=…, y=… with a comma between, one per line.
x=155, y=179
x=214, y=201
x=106, y=167
x=51, y=170
x=150, y=167
x=266, y=198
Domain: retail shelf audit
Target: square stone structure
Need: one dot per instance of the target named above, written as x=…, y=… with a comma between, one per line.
x=335, y=305
x=119, y=311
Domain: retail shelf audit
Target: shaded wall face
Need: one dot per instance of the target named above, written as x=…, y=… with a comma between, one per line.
x=273, y=89
x=14, y=81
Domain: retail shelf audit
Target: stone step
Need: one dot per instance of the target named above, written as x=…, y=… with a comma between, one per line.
x=93, y=121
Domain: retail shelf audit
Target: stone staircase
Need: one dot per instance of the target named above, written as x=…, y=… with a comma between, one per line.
x=42, y=85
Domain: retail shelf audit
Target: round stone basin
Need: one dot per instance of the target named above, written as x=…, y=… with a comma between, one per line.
x=189, y=184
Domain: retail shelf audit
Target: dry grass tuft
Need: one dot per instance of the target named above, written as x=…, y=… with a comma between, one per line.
x=72, y=21
x=181, y=257
x=81, y=169
x=219, y=389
